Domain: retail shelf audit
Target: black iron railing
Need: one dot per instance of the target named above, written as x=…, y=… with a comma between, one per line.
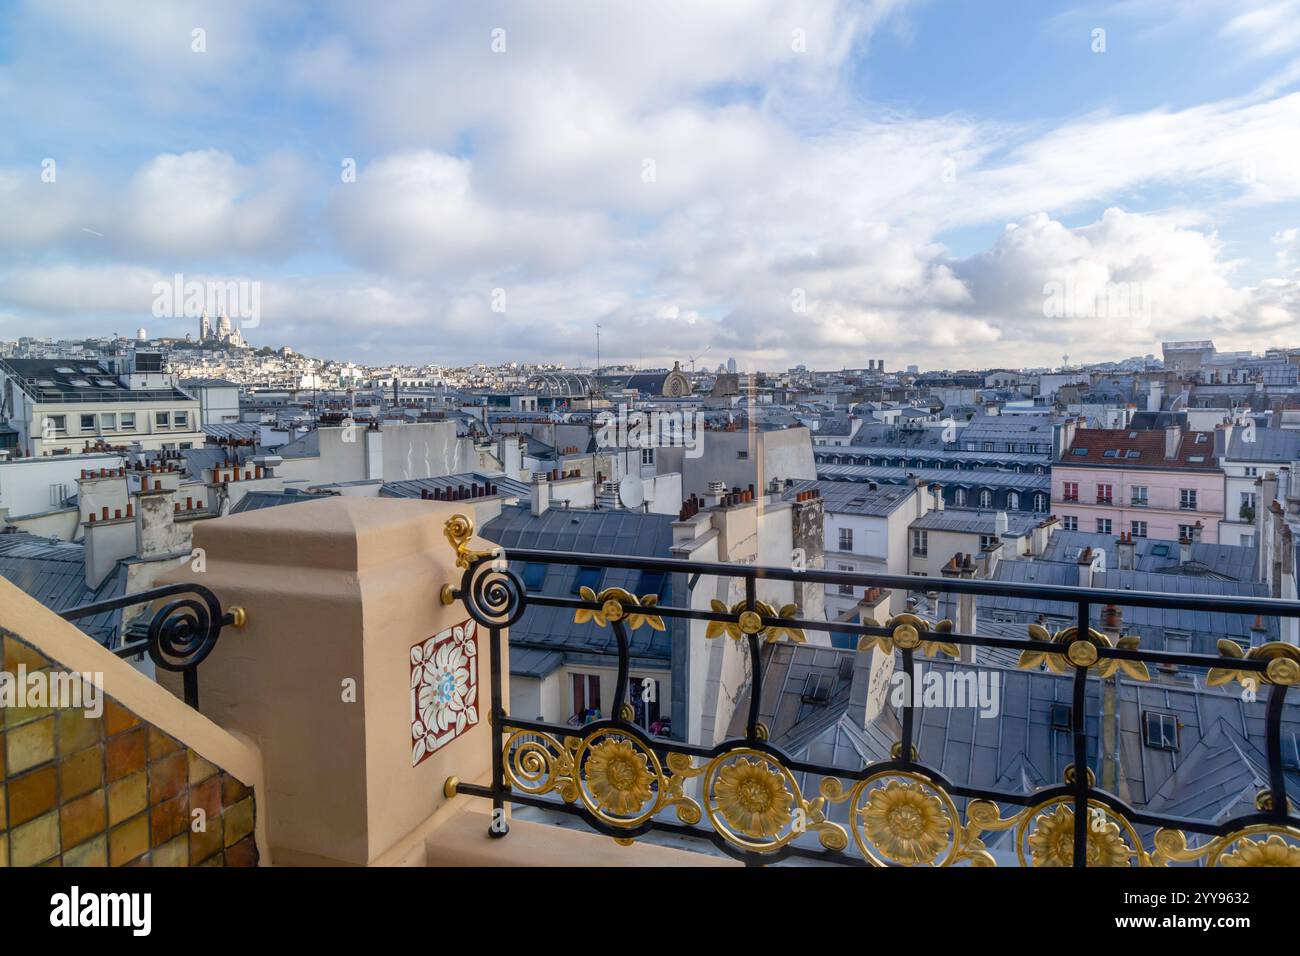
x=179, y=635
x=743, y=794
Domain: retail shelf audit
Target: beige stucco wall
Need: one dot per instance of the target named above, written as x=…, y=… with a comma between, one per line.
x=337, y=590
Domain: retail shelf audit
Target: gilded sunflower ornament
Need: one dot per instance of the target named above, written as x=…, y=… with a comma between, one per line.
x=618, y=777
x=753, y=798
x=617, y=604
x=1274, y=851
x=1052, y=842
x=906, y=823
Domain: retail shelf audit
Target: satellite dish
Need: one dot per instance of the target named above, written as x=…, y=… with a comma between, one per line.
x=631, y=493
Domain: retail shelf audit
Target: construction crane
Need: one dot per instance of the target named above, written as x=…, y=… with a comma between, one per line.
x=700, y=356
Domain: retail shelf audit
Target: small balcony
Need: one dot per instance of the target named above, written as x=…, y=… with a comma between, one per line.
x=365, y=645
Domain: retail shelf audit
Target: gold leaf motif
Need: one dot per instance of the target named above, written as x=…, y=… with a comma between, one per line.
x=1052, y=841
x=752, y=619
x=1283, y=660
x=617, y=604
x=909, y=630
x=905, y=823
x=459, y=529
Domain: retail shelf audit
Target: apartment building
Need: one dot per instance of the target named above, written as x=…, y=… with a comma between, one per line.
x=1250, y=454
x=1149, y=483
x=60, y=407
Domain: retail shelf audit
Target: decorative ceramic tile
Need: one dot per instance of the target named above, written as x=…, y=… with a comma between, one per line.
x=444, y=689
x=114, y=790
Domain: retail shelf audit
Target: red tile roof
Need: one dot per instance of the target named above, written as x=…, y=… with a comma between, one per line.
x=1145, y=448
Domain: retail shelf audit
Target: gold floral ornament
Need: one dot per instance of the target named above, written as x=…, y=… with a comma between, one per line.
x=906, y=823
x=616, y=604
x=1280, y=846
x=750, y=621
x=459, y=529
x=1052, y=841
x=1283, y=665
x=753, y=798
x=1081, y=652
x=910, y=631
x=618, y=776
x=1274, y=851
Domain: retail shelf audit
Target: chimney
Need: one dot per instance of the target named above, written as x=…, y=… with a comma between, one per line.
x=1000, y=524
x=1184, y=550
x=1126, y=552
x=1196, y=533
x=1156, y=396
x=541, y=494
x=1085, y=568
x=1173, y=438
x=936, y=490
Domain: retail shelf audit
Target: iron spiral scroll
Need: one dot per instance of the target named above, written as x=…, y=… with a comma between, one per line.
x=493, y=594
x=183, y=632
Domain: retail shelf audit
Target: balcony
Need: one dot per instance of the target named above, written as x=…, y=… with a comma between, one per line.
x=347, y=600
x=759, y=805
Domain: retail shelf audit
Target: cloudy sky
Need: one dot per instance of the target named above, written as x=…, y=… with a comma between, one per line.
x=948, y=183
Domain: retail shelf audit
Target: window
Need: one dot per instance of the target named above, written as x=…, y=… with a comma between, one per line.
x=959, y=497
x=1069, y=523
x=1103, y=526
x=88, y=423
x=587, y=578
x=743, y=455
x=645, y=711
x=920, y=542
x=1160, y=731
x=56, y=425
x=988, y=542
x=846, y=589
x=1061, y=717
x=1139, y=496
x=986, y=499
x=652, y=582
x=534, y=576
x=1185, y=532
x=846, y=539
x=586, y=696
x=181, y=419
x=1187, y=499
x=1080, y=452
x=1040, y=502
x=1139, y=529
x=128, y=421
x=1013, y=501
x=1251, y=471
x=1248, y=500
x=108, y=422
x=161, y=419
x=1105, y=494
x=1070, y=491
x=58, y=494
x=647, y=456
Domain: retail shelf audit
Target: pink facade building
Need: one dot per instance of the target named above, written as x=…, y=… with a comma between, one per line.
x=1150, y=483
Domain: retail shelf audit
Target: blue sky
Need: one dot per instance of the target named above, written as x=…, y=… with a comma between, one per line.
x=784, y=181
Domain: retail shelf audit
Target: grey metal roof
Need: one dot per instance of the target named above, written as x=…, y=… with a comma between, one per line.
x=597, y=531
x=1276, y=445
x=1152, y=554
x=207, y=383
x=852, y=497
x=1203, y=628
x=54, y=573
x=411, y=488
x=257, y=500
x=974, y=521
x=79, y=380
x=968, y=478
x=239, y=430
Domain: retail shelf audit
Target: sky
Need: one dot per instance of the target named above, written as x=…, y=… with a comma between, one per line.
x=945, y=183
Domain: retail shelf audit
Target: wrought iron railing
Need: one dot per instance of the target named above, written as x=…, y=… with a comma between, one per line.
x=180, y=634
x=744, y=796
